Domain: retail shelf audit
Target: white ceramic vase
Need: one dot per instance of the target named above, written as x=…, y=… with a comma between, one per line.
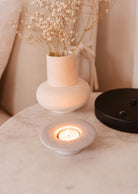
x=63, y=91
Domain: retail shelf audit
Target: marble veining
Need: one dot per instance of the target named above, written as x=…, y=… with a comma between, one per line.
x=108, y=166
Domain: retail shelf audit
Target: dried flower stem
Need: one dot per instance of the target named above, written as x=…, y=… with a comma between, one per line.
x=54, y=22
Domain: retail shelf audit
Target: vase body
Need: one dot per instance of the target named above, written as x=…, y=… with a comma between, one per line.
x=61, y=71
x=63, y=91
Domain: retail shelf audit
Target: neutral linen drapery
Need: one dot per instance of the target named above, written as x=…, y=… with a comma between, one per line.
x=117, y=47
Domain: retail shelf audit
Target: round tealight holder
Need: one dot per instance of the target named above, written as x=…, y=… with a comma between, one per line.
x=68, y=137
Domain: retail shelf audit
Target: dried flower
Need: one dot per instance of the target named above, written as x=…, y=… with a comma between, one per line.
x=54, y=21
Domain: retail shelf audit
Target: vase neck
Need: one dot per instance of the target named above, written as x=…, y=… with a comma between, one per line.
x=62, y=71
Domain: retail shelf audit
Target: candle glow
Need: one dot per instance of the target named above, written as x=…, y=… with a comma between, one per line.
x=68, y=133
x=68, y=136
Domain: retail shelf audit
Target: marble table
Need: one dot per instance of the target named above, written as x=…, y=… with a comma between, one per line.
x=108, y=166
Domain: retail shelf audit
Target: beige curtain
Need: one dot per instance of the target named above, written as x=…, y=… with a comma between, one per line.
x=116, y=47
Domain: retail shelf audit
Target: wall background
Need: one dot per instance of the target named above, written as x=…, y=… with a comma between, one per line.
x=116, y=47
x=135, y=69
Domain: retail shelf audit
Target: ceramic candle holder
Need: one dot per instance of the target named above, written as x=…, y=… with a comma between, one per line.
x=68, y=137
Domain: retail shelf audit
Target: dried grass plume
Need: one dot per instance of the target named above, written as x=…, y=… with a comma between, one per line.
x=53, y=22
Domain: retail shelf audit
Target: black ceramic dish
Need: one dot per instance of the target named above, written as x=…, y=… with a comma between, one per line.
x=118, y=109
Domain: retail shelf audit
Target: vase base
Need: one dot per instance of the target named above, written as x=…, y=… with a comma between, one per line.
x=63, y=99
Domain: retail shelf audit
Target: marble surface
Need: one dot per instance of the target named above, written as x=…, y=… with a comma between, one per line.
x=108, y=166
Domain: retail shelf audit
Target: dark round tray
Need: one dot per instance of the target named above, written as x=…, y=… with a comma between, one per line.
x=118, y=109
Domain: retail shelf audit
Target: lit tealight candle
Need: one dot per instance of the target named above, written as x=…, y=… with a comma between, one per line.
x=68, y=133
x=68, y=137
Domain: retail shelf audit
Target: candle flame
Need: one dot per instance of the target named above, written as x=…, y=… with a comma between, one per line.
x=68, y=133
